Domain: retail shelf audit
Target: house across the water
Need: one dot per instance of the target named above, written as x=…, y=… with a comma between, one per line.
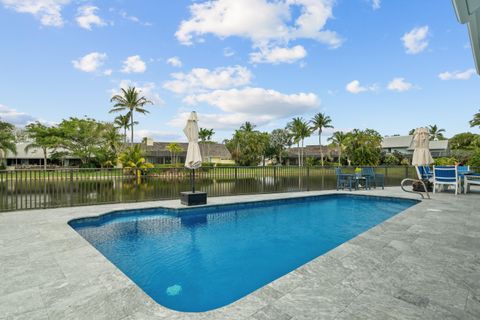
x=404, y=145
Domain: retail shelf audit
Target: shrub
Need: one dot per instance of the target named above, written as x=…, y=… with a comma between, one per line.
x=445, y=161
x=474, y=161
x=391, y=160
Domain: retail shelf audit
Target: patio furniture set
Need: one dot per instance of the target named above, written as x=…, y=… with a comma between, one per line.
x=459, y=177
x=364, y=179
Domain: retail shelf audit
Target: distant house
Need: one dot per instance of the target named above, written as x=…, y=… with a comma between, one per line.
x=310, y=151
x=157, y=152
x=34, y=157
x=404, y=145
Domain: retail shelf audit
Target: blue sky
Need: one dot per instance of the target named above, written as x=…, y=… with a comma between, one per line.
x=390, y=65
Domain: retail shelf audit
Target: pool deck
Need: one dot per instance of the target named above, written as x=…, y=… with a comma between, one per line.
x=423, y=263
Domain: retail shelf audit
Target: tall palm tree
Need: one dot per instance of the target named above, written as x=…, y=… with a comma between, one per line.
x=435, y=132
x=476, y=119
x=300, y=130
x=319, y=122
x=205, y=136
x=339, y=138
x=247, y=127
x=174, y=149
x=130, y=100
x=123, y=122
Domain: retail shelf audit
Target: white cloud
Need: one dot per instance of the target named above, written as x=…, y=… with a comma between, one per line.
x=175, y=62
x=415, y=41
x=355, y=87
x=220, y=121
x=157, y=135
x=266, y=23
x=91, y=62
x=400, y=85
x=147, y=89
x=108, y=72
x=376, y=4
x=87, y=17
x=126, y=16
x=15, y=117
x=201, y=79
x=278, y=55
x=457, y=75
x=228, y=52
x=48, y=11
x=134, y=64
x=257, y=102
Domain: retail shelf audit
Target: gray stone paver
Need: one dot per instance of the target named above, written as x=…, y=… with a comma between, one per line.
x=423, y=263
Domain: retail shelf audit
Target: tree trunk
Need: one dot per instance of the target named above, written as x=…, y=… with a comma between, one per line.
x=339, y=152
x=45, y=159
x=125, y=135
x=320, y=144
x=303, y=154
x=298, y=146
x=131, y=126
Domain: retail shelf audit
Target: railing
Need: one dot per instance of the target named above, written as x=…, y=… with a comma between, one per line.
x=36, y=189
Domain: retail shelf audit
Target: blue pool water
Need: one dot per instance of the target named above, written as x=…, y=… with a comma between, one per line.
x=204, y=258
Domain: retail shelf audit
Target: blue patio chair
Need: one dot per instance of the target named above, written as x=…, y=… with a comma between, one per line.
x=374, y=179
x=446, y=176
x=424, y=173
x=343, y=180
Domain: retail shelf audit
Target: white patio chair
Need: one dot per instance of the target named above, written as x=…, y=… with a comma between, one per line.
x=446, y=176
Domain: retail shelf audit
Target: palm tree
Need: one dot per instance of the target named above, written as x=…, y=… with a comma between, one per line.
x=476, y=120
x=435, y=132
x=133, y=159
x=174, y=149
x=123, y=122
x=319, y=122
x=300, y=130
x=131, y=101
x=411, y=132
x=339, y=138
x=247, y=127
x=206, y=136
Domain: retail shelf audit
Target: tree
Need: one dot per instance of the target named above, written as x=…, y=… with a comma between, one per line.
x=300, y=130
x=279, y=139
x=133, y=159
x=411, y=132
x=319, y=122
x=131, y=101
x=123, y=122
x=247, y=127
x=465, y=141
x=42, y=137
x=110, y=146
x=247, y=145
x=339, y=138
x=436, y=133
x=174, y=149
x=7, y=139
x=83, y=138
x=363, y=147
x=475, y=122
x=205, y=136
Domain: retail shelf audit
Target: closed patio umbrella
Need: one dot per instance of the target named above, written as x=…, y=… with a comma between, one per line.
x=421, y=143
x=194, y=157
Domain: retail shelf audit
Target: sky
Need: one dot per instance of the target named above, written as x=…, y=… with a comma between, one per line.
x=389, y=65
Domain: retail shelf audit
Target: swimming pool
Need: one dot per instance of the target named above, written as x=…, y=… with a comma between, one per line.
x=200, y=259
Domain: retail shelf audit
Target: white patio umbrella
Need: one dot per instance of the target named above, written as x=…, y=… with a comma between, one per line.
x=421, y=143
x=194, y=157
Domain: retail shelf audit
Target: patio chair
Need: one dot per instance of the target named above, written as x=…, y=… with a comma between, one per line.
x=424, y=173
x=470, y=179
x=446, y=176
x=343, y=180
x=374, y=179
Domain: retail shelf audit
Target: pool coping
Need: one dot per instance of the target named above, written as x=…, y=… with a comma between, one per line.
x=75, y=260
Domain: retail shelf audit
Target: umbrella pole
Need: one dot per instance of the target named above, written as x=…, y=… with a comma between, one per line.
x=193, y=180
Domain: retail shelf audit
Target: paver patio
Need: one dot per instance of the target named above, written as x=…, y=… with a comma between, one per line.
x=423, y=263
